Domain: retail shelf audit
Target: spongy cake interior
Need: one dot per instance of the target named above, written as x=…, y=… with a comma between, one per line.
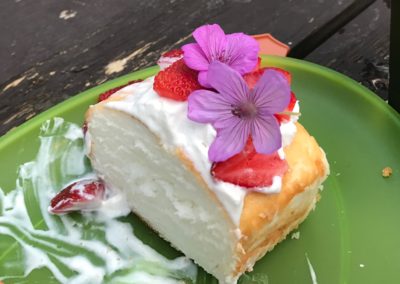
x=163, y=190
x=163, y=187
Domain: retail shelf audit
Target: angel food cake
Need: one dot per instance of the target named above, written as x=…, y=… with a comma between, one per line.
x=208, y=152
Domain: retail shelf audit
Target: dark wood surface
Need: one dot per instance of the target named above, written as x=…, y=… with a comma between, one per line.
x=360, y=50
x=394, y=61
x=51, y=50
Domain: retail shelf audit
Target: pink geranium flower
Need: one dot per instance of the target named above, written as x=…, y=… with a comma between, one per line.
x=237, y=50
x=237, y=112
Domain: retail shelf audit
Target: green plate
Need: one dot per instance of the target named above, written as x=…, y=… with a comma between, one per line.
x=351, y=237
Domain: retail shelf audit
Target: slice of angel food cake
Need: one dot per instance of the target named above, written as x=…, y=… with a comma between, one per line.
x=208, y=152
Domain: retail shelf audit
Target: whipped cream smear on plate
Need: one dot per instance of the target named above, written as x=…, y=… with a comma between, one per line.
x=89, y=247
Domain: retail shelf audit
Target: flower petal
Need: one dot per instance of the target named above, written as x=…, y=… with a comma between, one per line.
x=271, y=94
x=194, y=57
x=206, y=106
x=228, y=82
x=211, y=39
x=241, y=52
x=266, y=134
x=203, y=79
x=230, y=140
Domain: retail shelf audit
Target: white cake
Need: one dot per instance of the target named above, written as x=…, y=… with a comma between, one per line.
x=145, y=147
x=209, y=152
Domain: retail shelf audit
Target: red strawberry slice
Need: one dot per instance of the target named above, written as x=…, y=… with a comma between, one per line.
x=108, y=93
x=249, y=168
x=169, y=58
x=85, y=194
x=173, y=53
x=176, y=82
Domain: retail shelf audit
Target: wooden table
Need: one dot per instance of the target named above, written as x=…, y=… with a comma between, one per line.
x=51, y=50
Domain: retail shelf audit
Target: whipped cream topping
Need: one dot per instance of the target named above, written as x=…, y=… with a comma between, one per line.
x=168, y=120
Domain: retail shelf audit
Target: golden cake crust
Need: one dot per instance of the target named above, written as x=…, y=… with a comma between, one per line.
x=306, y=165
x=307, y=169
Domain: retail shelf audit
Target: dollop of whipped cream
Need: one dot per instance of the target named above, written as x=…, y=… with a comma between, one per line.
x=168, y=120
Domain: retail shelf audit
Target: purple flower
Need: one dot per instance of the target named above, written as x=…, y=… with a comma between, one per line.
x=237, y=112
x=237, y=50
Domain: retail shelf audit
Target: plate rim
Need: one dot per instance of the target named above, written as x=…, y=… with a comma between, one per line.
x=269, y=60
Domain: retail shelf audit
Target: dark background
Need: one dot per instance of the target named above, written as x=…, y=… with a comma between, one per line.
x=51, y=50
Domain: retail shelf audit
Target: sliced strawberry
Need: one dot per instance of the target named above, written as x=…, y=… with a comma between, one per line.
x=169, y=58
x=252, y=77
x=108, y=93
x=85, y=194
x=249, y=168
x=176, y=82
x=173, y=53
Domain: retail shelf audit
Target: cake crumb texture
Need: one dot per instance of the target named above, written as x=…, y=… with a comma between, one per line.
x=387, y=172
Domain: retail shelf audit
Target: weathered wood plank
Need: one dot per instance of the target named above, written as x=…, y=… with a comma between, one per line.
x=361, y=49
x=52, y=50
x=394, y=62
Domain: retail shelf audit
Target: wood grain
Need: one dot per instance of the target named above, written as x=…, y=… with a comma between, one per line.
x=52, y=50
x=361, y=49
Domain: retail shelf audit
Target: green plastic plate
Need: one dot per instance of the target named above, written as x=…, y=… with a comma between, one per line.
x=352, y=236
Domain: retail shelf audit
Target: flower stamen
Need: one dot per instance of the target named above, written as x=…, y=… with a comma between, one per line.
x=246, y=110
x=237, y=113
